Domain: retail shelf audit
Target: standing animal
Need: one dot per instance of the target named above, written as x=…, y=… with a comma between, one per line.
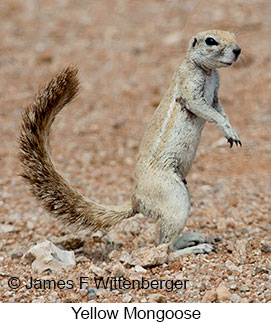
x=166, y=153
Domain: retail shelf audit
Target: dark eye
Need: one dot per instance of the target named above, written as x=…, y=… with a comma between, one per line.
x=210, y=41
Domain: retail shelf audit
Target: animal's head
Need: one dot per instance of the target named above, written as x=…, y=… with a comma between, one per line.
x=213, y=49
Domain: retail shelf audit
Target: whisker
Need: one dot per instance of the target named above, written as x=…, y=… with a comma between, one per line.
x=246, y=68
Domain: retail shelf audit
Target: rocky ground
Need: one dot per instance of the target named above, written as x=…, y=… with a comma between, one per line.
x=127, y=52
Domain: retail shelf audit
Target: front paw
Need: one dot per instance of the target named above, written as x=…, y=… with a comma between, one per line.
x=231, y=136
x=233, y=140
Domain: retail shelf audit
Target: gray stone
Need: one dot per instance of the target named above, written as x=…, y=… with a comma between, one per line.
x=91, y=294
x=45, y=256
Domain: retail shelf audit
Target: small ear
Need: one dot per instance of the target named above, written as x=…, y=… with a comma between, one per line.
x=194, y=42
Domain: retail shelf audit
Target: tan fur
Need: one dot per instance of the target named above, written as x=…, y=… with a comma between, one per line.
x=166, y=153
x=56, y=195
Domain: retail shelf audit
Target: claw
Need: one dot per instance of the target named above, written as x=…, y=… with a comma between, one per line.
x=230, y=141
x=238, y=142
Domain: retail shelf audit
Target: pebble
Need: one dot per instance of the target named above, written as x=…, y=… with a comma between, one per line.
x=146, y=256
x=140, y=269
x=116, y=238
x=223, y=293
x=235, y=298
x=127, y=298
x=221, y=225
x=69, y=241
x=266, y=247
x=99, y=272
x=210, y=296
x=45, y=256
x=118, y=270
x=16, y=254
x=240, y=246
x=8, y=228
x=114, y=255
x=157, y=298
x=91, y=294
x=233, y=287
x=244, y=288
x=231, y=266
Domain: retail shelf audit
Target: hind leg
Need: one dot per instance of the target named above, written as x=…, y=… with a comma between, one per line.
x=166, y=197
x=173, y=220
x=174, y=210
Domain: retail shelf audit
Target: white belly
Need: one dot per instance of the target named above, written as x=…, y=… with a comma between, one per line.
x=210, y=88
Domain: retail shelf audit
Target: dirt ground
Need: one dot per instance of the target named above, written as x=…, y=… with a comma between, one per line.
x=127, y=52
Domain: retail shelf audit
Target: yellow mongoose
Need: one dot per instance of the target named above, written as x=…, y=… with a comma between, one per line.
x=166, y=153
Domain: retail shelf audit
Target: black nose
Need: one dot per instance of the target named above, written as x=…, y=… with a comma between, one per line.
x=236, y=52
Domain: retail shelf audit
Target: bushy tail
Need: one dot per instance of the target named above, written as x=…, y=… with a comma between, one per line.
x=55, y=193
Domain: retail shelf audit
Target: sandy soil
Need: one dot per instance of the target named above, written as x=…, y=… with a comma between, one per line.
x=127, y=52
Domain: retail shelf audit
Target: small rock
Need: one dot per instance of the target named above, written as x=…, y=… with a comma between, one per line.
x=53, y=297
x=214, y=238
x=146, y=256
x=230, y=247
x=233, y=287
x=130, y=226
x=16, y=254
x=157, y=298
x=114, y=255
x=223, y=293
x=210, y=296
x=126, y=298
x=266, y=246
x=240, y=247
x=97, y=235
x=39, y=299
x=91, y=294
x=140, y=269
x=97, y=271
x=202, y=287
x=125, y=257
x=69, y=241
x=259, y=270
x=30, y=225
x=221, y=225
x=232, y=267
x=230, y=278
x=45, y=256
x=235, y=298
x=116, y=238
x=244, y=288
x=118, y=270
x=8, y=228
